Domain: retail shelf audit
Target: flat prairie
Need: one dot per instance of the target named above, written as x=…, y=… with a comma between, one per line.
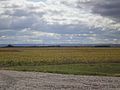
x=69, y=60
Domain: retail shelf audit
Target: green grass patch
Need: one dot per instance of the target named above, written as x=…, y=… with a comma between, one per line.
x=76, y=69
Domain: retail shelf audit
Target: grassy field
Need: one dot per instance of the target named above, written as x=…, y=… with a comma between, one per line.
x=85, y=61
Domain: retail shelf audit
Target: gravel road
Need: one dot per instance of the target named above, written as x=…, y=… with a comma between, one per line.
x=14, y=80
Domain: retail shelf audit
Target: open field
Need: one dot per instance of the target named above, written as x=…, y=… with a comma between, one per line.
x=69, y=60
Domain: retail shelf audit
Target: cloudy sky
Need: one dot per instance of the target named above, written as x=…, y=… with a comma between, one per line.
x=59, y=21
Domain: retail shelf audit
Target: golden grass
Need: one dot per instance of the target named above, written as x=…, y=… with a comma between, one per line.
x=60, y=55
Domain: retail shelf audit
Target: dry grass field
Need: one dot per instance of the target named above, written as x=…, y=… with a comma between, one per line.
x=71, y=60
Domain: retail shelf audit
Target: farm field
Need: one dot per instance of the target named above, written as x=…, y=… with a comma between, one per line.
x=67, y=60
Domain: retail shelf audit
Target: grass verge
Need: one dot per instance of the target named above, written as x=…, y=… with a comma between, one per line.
x=108, y=69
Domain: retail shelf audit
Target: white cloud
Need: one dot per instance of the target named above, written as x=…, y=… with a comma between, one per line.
x=56, y=20
x=57, y=12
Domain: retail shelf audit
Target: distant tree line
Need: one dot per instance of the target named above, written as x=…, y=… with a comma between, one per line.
x=9, y=45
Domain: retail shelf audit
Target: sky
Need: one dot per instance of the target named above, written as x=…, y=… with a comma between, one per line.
x=59, y=21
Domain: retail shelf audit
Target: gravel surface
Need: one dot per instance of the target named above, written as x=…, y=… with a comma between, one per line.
x=14, y=80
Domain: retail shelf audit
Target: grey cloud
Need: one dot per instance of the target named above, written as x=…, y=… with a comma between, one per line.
x=4, y=22
x=18, y=18
x=109, y=8
x=3, y=0
x=26, y=24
